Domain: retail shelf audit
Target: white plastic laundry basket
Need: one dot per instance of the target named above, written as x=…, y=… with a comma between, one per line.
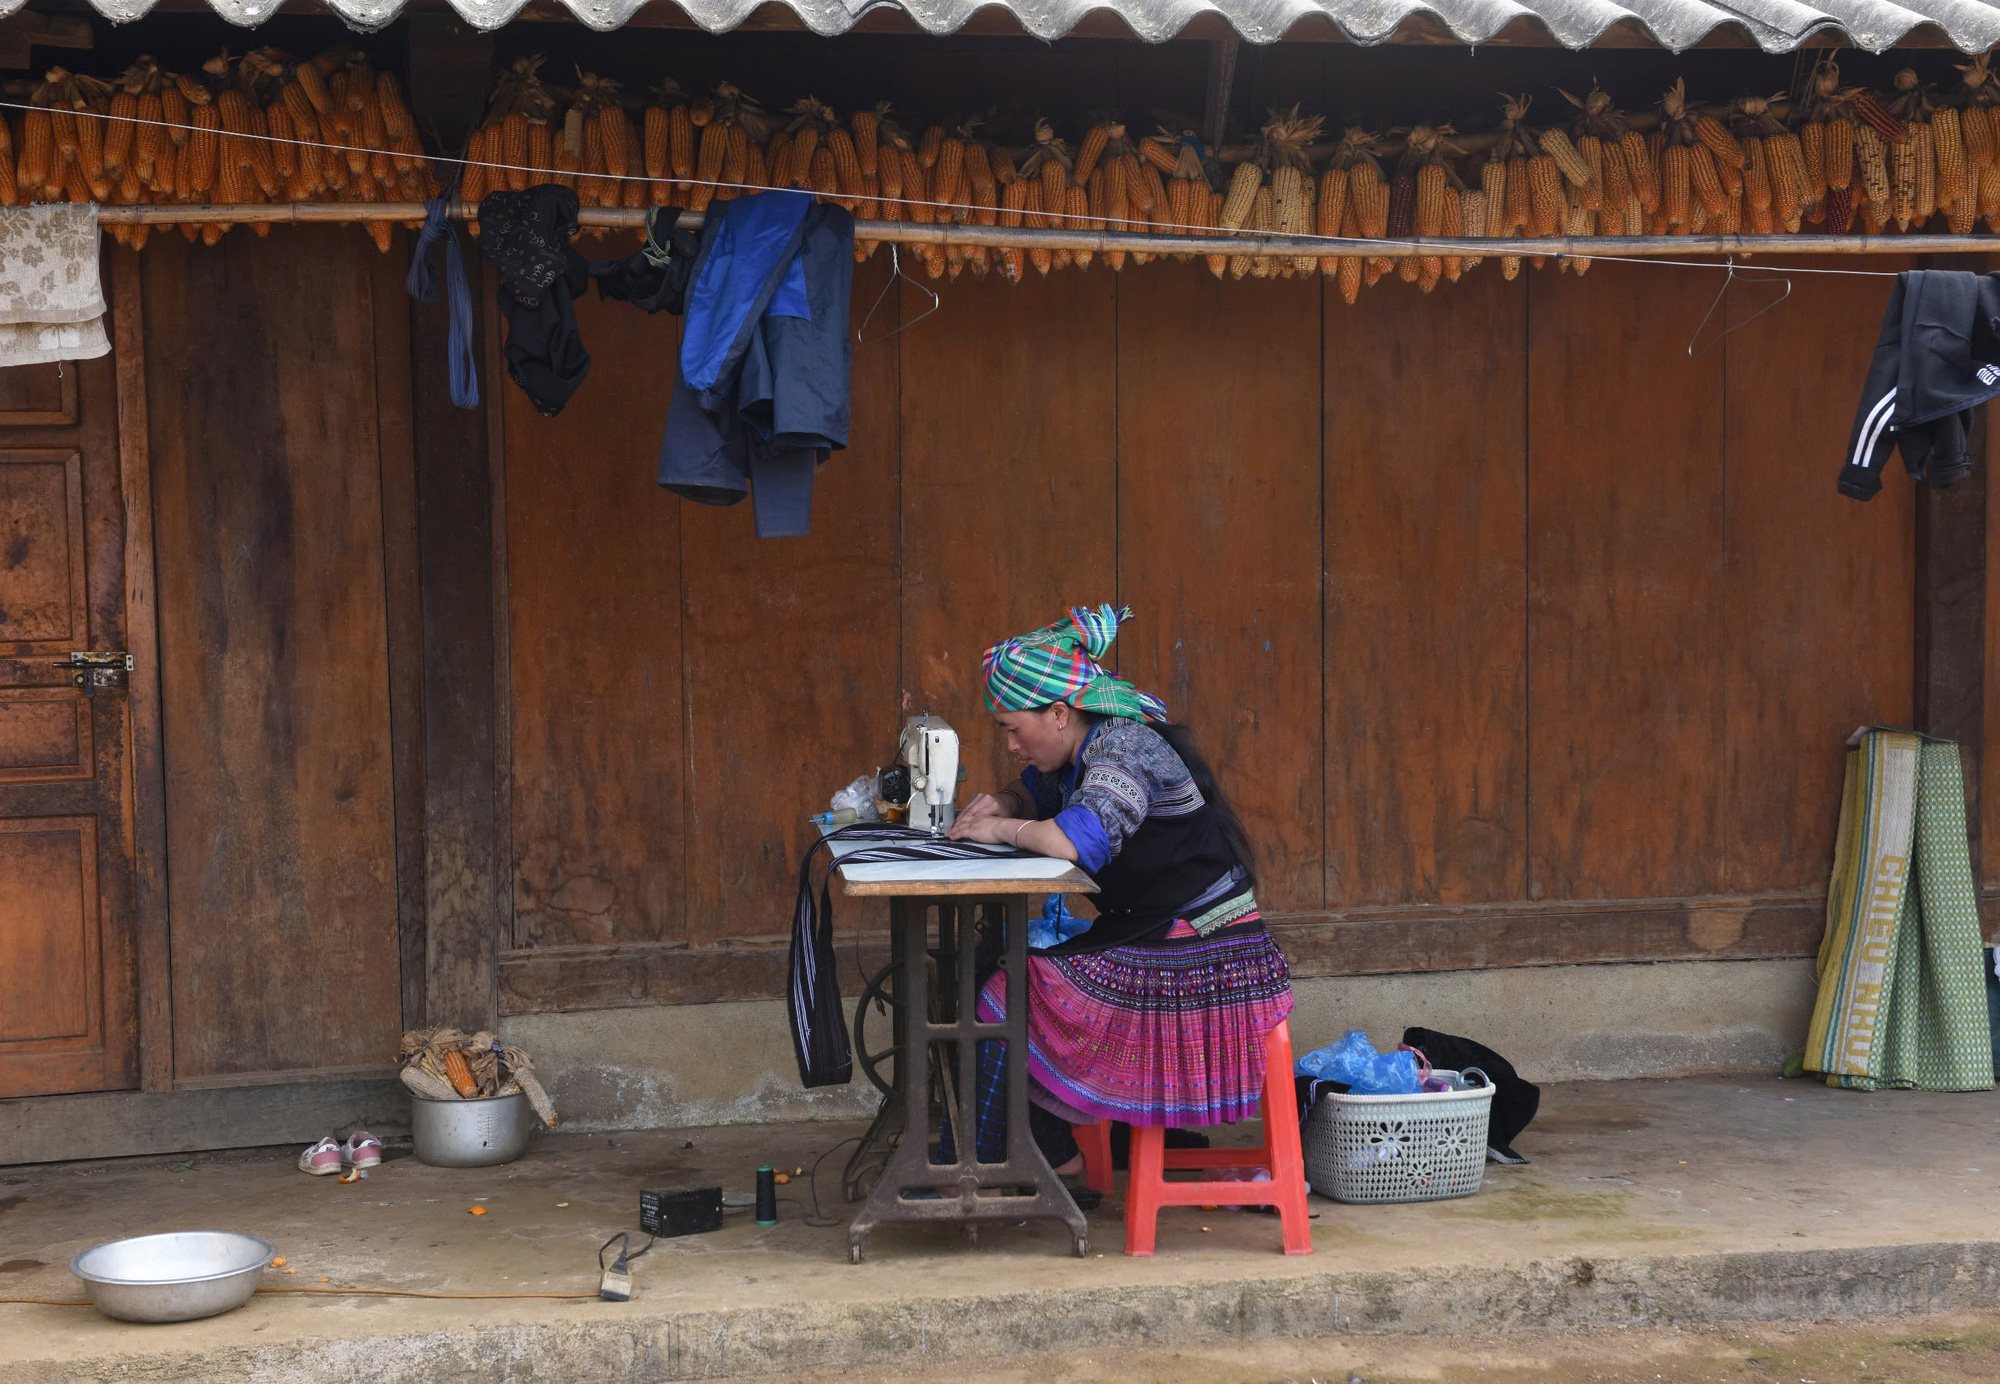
x=1398, y=1148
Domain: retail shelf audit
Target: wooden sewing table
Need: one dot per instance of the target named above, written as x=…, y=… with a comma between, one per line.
x=968, y=899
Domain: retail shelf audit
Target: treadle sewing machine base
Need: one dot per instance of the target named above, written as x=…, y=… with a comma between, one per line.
x=911, y=1188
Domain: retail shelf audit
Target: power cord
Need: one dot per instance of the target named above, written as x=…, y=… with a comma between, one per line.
x=615, y=1285
x=813, y=1215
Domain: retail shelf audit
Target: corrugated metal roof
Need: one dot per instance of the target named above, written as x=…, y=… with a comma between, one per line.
x=1776, y=26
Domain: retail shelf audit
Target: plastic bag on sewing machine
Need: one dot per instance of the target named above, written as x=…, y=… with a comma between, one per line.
x=859, y=795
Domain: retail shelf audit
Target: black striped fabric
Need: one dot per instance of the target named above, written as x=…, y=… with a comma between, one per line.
x=819, y=1025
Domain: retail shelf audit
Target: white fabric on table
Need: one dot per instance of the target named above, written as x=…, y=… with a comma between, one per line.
x=931, y=871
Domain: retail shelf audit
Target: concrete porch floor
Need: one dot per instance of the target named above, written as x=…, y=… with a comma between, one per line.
x=1648, y=1203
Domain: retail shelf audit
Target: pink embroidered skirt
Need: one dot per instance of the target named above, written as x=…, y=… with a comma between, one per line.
x=1168, y=1033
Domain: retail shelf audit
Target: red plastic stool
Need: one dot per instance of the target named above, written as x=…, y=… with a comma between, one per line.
x=1147, y=1189
x=1095, y=1141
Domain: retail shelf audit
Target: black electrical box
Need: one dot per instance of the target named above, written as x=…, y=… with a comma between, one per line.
x=669, y=1211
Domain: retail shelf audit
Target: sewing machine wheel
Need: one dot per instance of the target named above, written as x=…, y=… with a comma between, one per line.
x=880, y=990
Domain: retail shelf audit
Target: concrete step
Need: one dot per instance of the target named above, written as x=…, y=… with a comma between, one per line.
x=1648, y=1204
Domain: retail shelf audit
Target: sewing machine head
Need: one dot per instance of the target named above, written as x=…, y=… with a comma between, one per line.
x=930, y=748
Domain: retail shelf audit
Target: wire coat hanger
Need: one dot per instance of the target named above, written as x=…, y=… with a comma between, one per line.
x=1720, y=293
x=895, y=273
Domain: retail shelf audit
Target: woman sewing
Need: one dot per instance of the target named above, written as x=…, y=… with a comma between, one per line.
x=1158, y=1014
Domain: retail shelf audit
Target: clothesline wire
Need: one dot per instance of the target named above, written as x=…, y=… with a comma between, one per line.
x=1344, y=246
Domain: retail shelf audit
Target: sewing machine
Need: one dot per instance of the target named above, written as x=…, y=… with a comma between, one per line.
x=929, y=748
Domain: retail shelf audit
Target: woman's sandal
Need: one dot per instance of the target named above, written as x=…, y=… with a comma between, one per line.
x=1086, y=1198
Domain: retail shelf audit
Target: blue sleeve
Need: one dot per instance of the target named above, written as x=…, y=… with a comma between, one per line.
x=1093, y=847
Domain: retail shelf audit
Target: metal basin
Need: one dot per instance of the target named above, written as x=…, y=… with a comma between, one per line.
x=470, y=1133
x=175, y=1277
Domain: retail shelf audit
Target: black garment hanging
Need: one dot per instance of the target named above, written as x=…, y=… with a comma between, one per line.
x=655, y=278
x=819, y=1026
x=1936, y=359
x=527, y=237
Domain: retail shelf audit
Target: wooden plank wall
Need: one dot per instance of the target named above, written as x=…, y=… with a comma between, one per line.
x=1519, y=636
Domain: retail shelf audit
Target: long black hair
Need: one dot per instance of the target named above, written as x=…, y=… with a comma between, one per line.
x=1182, y=742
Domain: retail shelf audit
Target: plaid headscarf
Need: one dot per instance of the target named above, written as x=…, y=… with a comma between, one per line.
x=1060, y=663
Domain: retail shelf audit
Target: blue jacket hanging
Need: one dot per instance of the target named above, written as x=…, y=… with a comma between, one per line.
x=760, y=394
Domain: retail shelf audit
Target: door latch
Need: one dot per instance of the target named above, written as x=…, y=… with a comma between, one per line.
x=91, y=671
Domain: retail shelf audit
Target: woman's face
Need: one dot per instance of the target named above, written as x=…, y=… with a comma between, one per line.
x=1039, y=737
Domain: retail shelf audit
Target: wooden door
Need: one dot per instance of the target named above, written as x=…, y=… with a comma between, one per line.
x=277, y=398
x=68, y=975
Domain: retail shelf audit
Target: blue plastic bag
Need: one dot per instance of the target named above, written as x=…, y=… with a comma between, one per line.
x=1056, y=925
x=1365, y=1072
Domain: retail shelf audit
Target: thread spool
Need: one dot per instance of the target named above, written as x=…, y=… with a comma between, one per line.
x=767, y=1195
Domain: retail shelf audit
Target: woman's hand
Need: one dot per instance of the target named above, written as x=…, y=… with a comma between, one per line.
x=989, y=826
x=1040, y=838
x=982, y=805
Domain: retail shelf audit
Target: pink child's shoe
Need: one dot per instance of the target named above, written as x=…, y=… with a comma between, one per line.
x=362, y=1150
x=322, y=1158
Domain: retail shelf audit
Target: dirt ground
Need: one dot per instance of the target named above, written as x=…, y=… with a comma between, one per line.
x=1922, y=1350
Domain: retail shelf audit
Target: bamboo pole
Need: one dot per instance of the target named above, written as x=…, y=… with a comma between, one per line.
x=1026, y=238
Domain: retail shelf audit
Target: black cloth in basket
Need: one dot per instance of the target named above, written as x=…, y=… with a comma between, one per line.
x=1514, y=1101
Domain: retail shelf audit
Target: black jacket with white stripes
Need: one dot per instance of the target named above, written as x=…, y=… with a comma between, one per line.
x=1937, y=358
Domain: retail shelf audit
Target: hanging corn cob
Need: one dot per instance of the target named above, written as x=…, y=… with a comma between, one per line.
x=1979, y=122
x=1147, y=194
x=594, y=111
x=916, y=191
x=1238, y=205
x=1585, y=189
x=1437, y=189
x=1691, y=173
x=667, y=142
x=1776, y=182
x=44, y=156
x=517, y=144
x=1830, y=124
x=1978, y=96
x=1627, y=166
x=1825, y=125
x=1403, y=206
x=950, y=191
x=1292, y=190
x=1187, y=186
x=1329, y=210
x=1912, y=164
x=1521, y=209
x=1030, y=178
x=728, y=124
x=370, y=165
x=1472, y=226
x=982, y=187
x=811, y=132
x=1367, y=214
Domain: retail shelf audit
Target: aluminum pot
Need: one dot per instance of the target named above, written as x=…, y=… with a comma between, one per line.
x=175, y=1277
x=470, y=1133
